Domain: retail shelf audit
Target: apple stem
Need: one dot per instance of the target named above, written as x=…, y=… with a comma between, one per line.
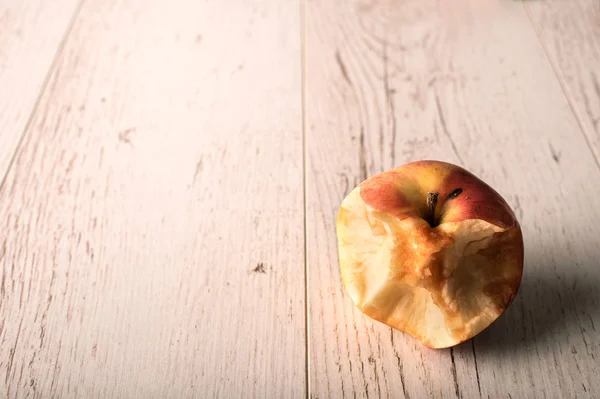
x=432, y=199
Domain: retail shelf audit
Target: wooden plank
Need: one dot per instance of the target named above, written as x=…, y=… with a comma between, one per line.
x=152, y=239
x=570, y=34
x=30, y=37
x=467, y=82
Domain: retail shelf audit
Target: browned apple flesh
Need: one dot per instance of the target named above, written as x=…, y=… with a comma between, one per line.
x=441, y=274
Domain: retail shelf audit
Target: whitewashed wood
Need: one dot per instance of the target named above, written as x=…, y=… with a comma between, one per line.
x=152, y=241
x=30, y=37
x=570, y=34
x=389, y=82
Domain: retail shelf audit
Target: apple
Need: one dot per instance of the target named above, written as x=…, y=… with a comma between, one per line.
x=430, y=249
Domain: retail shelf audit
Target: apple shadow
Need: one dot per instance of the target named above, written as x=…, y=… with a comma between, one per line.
x=556, y=299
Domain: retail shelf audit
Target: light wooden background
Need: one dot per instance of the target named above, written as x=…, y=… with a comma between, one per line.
x=171, y=171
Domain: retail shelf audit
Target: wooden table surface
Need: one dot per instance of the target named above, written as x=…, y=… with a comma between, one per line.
x=171, y=171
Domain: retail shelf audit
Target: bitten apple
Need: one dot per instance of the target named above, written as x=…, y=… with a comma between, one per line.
x=430, y=249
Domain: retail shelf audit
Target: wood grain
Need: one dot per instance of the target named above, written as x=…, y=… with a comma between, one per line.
x=570, y=34
x=389, y=82
x=152, y=241
x=30, y=37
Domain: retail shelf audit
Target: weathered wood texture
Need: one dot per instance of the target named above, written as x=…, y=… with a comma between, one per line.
x=31, y=34
x=152, y=241
x=570, y=34
x=469, y=82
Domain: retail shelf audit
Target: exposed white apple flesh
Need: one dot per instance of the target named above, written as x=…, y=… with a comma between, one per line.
x=441, y=275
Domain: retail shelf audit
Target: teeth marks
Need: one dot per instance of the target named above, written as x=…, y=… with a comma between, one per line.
x=440, y=283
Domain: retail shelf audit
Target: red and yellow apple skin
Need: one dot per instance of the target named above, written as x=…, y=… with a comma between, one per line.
x=402, y=192
x=441, y=277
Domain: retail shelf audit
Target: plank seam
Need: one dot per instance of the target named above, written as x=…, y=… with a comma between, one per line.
x=302, y=30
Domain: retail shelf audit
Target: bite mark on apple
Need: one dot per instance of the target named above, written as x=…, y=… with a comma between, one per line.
x=393, y=263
